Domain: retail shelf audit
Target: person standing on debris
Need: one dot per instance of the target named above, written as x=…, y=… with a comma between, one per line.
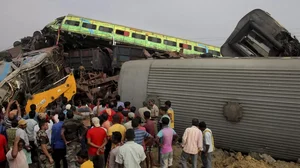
x=142, y=110
x=130, y=154
x=57, y=142
x=71, y=133
x=44, y=146
x=154, y=108
x=96, y=139
x=170, y=112
x=192, y=144
x=166, y=139
x=208, y=145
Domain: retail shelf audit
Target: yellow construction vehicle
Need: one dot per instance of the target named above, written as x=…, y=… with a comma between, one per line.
x=42, y=99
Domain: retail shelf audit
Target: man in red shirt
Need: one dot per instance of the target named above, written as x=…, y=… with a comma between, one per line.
x=150, y=128
x=3, y=151
x=97, y=140
x=119, y=112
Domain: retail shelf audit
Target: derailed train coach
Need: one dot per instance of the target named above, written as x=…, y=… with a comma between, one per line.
x=251, y=104
x=31, y=73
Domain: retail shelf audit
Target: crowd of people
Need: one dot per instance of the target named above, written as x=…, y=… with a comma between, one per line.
x=119, y=135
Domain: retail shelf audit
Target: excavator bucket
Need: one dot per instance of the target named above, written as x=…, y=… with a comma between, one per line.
x=42, y=99
x=257, y=34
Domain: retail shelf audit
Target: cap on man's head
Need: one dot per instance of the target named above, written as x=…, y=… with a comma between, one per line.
x=22, y=122
x=96, y=121
x=68, y=106
x=131, y=115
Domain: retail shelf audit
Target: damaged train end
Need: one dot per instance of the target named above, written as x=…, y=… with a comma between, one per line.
x=33, y=72
x=257, y=34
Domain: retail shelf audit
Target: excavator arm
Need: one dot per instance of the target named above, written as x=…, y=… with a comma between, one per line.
x=42, y=99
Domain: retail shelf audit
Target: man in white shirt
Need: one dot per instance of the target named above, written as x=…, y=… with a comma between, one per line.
x=142, y=110
x=15, y=156
x=128, y=125
x=208, y=145
x=154, y=108
x=23, y=135
x=21, y=131
x=119, y=102
x=31, y=123
x=130, y=154
x=192, y=144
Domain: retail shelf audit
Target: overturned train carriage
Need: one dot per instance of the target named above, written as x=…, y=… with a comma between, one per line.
x=251, y=104
x=257, y=34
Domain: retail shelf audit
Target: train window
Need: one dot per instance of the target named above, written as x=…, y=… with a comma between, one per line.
x=185, y=46
x=154, y=39
x=122, y=32
x=138, y=36
x=199, y=49
x=72, y=23
x=170, y=43
x=89, y=26
x=106, y=29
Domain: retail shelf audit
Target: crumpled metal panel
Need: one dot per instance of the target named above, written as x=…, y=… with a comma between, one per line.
x=257, y=34
x=267, y=89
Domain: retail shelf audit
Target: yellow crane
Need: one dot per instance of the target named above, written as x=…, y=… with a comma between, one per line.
x=42, y=99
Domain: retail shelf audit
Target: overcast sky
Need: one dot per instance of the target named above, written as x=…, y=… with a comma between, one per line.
x=208, y=21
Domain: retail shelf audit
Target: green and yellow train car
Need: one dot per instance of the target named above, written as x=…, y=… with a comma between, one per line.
x=130, y=36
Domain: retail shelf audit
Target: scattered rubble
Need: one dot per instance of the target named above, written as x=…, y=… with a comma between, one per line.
x=224, y=159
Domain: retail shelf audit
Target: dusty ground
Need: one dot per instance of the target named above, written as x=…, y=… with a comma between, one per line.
x=223, y=159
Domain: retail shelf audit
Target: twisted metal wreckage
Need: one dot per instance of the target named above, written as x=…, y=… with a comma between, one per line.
x=43, y=61
x=32, y=67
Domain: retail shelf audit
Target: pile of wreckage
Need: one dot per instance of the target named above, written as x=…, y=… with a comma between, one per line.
x=41, y=62
x=34, y=66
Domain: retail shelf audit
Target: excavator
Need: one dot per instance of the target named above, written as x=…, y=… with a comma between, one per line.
x=42, y=99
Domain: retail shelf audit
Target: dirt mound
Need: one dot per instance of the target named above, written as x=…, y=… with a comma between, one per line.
x=224, y=159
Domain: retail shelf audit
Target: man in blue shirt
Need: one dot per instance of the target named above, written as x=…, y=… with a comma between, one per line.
x=58, y=144
x=141, y=136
